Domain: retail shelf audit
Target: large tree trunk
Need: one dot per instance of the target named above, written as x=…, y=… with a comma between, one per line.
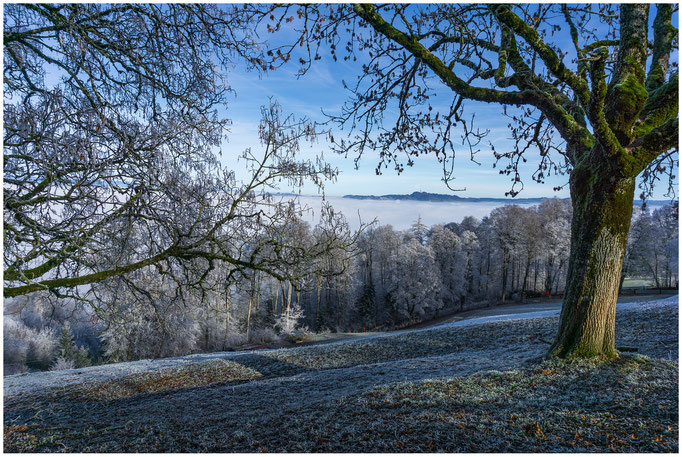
x=602, y=209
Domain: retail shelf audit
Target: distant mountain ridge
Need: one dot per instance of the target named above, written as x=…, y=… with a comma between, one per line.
x=431, y=197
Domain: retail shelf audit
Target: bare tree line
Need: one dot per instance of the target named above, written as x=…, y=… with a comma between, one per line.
x=386, y=280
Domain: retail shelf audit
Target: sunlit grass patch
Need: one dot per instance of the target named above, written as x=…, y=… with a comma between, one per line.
x=188, y=376
x=631, y=282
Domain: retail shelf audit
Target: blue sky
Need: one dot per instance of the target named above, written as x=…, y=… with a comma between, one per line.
x=322, y=88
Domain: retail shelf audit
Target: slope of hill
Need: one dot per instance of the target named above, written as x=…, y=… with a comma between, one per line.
x=449, y=388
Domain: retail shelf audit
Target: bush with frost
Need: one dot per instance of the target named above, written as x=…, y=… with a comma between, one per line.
x=27, y=348
x=62, y=364
x=287, y=322
x=262, y=336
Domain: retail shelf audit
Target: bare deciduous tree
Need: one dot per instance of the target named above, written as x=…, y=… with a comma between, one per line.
x=110, y=149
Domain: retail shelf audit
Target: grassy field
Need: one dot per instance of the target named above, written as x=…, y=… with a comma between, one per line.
x=479, y=388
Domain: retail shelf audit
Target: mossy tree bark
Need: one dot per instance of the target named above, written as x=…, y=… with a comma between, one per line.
x=602, y=187
x=602, y=209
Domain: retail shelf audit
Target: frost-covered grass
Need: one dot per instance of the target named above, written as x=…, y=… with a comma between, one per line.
x=481, y=387
x=629, y=405
x=169, y=379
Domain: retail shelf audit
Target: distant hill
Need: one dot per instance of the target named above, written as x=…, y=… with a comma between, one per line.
x=430, y=197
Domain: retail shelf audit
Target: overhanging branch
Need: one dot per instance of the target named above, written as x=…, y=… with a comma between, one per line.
x=658, y=141
x=558, y=115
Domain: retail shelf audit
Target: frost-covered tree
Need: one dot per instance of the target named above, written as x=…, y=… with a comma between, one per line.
x=367, y=304
x=653, y=249
x=418, y=231
x=635, y=237
x=450, y=257
x=555, y=222
x=25, y=347
x=294, y=241
x=288, y=322
x=506, y=223
x=667, y=219
x=111, y=135
x=157, y=320
x=332, y=279
x=415, y=282
x=485, y=259
x=68, y=354
x=530, y=248
x=470, y=247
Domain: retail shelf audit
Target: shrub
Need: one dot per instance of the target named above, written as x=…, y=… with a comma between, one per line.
x=287, y=322
x=234, y=340
x=26, y=347
x=62, y=364
x=262, y=336
x=15, y=352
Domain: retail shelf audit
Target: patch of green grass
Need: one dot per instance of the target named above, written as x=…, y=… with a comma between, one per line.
x=188, y=376
x=638, y=283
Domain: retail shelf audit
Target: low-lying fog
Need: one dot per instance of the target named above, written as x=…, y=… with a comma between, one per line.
x=401, y=214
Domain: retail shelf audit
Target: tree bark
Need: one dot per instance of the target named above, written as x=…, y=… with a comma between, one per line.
x=227, y=316
x=505, y=273
x=317, y=309
x=620, y=284
x=602, y=199
x=248, y=317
